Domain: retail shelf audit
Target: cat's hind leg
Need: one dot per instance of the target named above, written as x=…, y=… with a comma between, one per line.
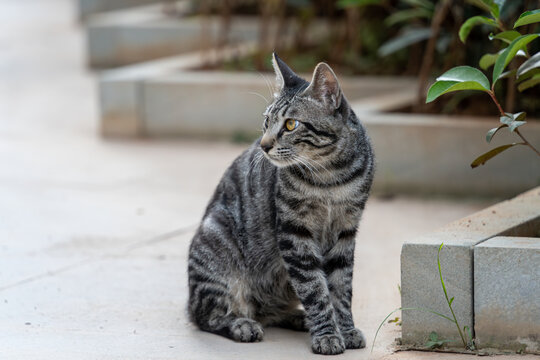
x=213, y=310
x=219, y=304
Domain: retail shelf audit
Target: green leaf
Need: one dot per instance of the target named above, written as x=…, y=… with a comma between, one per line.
x=442, y=87
x=357, y=3
x=465, y=74
x=510, y=118
x=515, y=125
x=519, y=116
x=470, y=340
x=515, y=117
x=481, y=160
x=451, y=301
x=528, y=74
x=506, y=36
x=532, y=63
x=493, y=131
x=407, y=38
x=528, y=17
x=406, y=15
x=488, y=60
x=508, y=54
x=533, y=81
x=507, y=119
x=508, y=74
x=420, y=3
x=470, y=23
x=487, y=5
x=458, y=78
x=434, y=341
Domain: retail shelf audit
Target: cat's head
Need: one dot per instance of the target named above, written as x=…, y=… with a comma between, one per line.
x=306, y=121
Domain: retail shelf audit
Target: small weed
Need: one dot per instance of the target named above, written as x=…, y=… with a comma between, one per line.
x=434, y=341
x=396, y=320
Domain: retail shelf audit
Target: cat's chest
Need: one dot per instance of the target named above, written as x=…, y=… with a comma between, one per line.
x=322, y=216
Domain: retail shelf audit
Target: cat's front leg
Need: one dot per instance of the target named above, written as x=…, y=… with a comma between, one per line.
x=338, y=267
x=304, y=265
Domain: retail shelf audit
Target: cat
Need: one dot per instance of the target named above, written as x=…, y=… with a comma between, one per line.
x=279, y=231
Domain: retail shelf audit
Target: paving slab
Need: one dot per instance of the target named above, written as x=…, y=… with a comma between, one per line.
x=506, y=293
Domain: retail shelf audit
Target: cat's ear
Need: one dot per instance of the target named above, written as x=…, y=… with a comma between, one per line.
x=324, y=86
x=285, y=77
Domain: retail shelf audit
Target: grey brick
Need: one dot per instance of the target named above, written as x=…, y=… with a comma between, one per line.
x=507, y=293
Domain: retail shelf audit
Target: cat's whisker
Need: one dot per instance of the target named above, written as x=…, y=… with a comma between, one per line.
x=252, y=165
x=312, y=170
x=268, y=84
x=259, y=95
x=315, y=163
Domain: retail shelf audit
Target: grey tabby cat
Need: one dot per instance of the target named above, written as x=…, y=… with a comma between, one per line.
x=280, y=228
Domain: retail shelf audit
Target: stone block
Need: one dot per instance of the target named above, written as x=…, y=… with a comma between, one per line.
x=420, y=283
x=421, y=288
x=507, y=293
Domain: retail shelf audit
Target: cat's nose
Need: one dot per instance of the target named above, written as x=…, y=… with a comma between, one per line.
x=267, y=147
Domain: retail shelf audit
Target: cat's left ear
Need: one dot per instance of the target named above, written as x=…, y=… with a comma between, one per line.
x=324, y=87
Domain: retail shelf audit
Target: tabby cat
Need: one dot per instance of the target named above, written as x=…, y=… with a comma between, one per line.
x=279, y=230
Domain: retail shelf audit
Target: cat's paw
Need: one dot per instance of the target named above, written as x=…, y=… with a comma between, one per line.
x=328, y=344
x=354, y=339
x=295, y=320
x=246, y=330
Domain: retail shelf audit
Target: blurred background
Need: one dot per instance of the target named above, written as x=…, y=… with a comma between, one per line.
x=201, y=69
x=118, y=118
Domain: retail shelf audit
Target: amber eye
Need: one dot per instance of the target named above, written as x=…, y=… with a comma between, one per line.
x=291, y=124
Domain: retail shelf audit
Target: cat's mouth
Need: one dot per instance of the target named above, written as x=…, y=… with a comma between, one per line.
x=280, y=157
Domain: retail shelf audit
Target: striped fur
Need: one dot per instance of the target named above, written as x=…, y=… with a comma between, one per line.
x=279, y=231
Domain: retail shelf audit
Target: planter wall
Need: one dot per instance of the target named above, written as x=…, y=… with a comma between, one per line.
x=128, y=37
x=121, y=40
x=422, y=154
x=494, y=280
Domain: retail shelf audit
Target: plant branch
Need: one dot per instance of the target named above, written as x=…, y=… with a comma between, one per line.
x=501, y=111
x=526, y=142
x=494, y=98
x=439, y=16
x=501, y=25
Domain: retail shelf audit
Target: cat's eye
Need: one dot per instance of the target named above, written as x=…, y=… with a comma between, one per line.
x=291, y=124
x=265, y=124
